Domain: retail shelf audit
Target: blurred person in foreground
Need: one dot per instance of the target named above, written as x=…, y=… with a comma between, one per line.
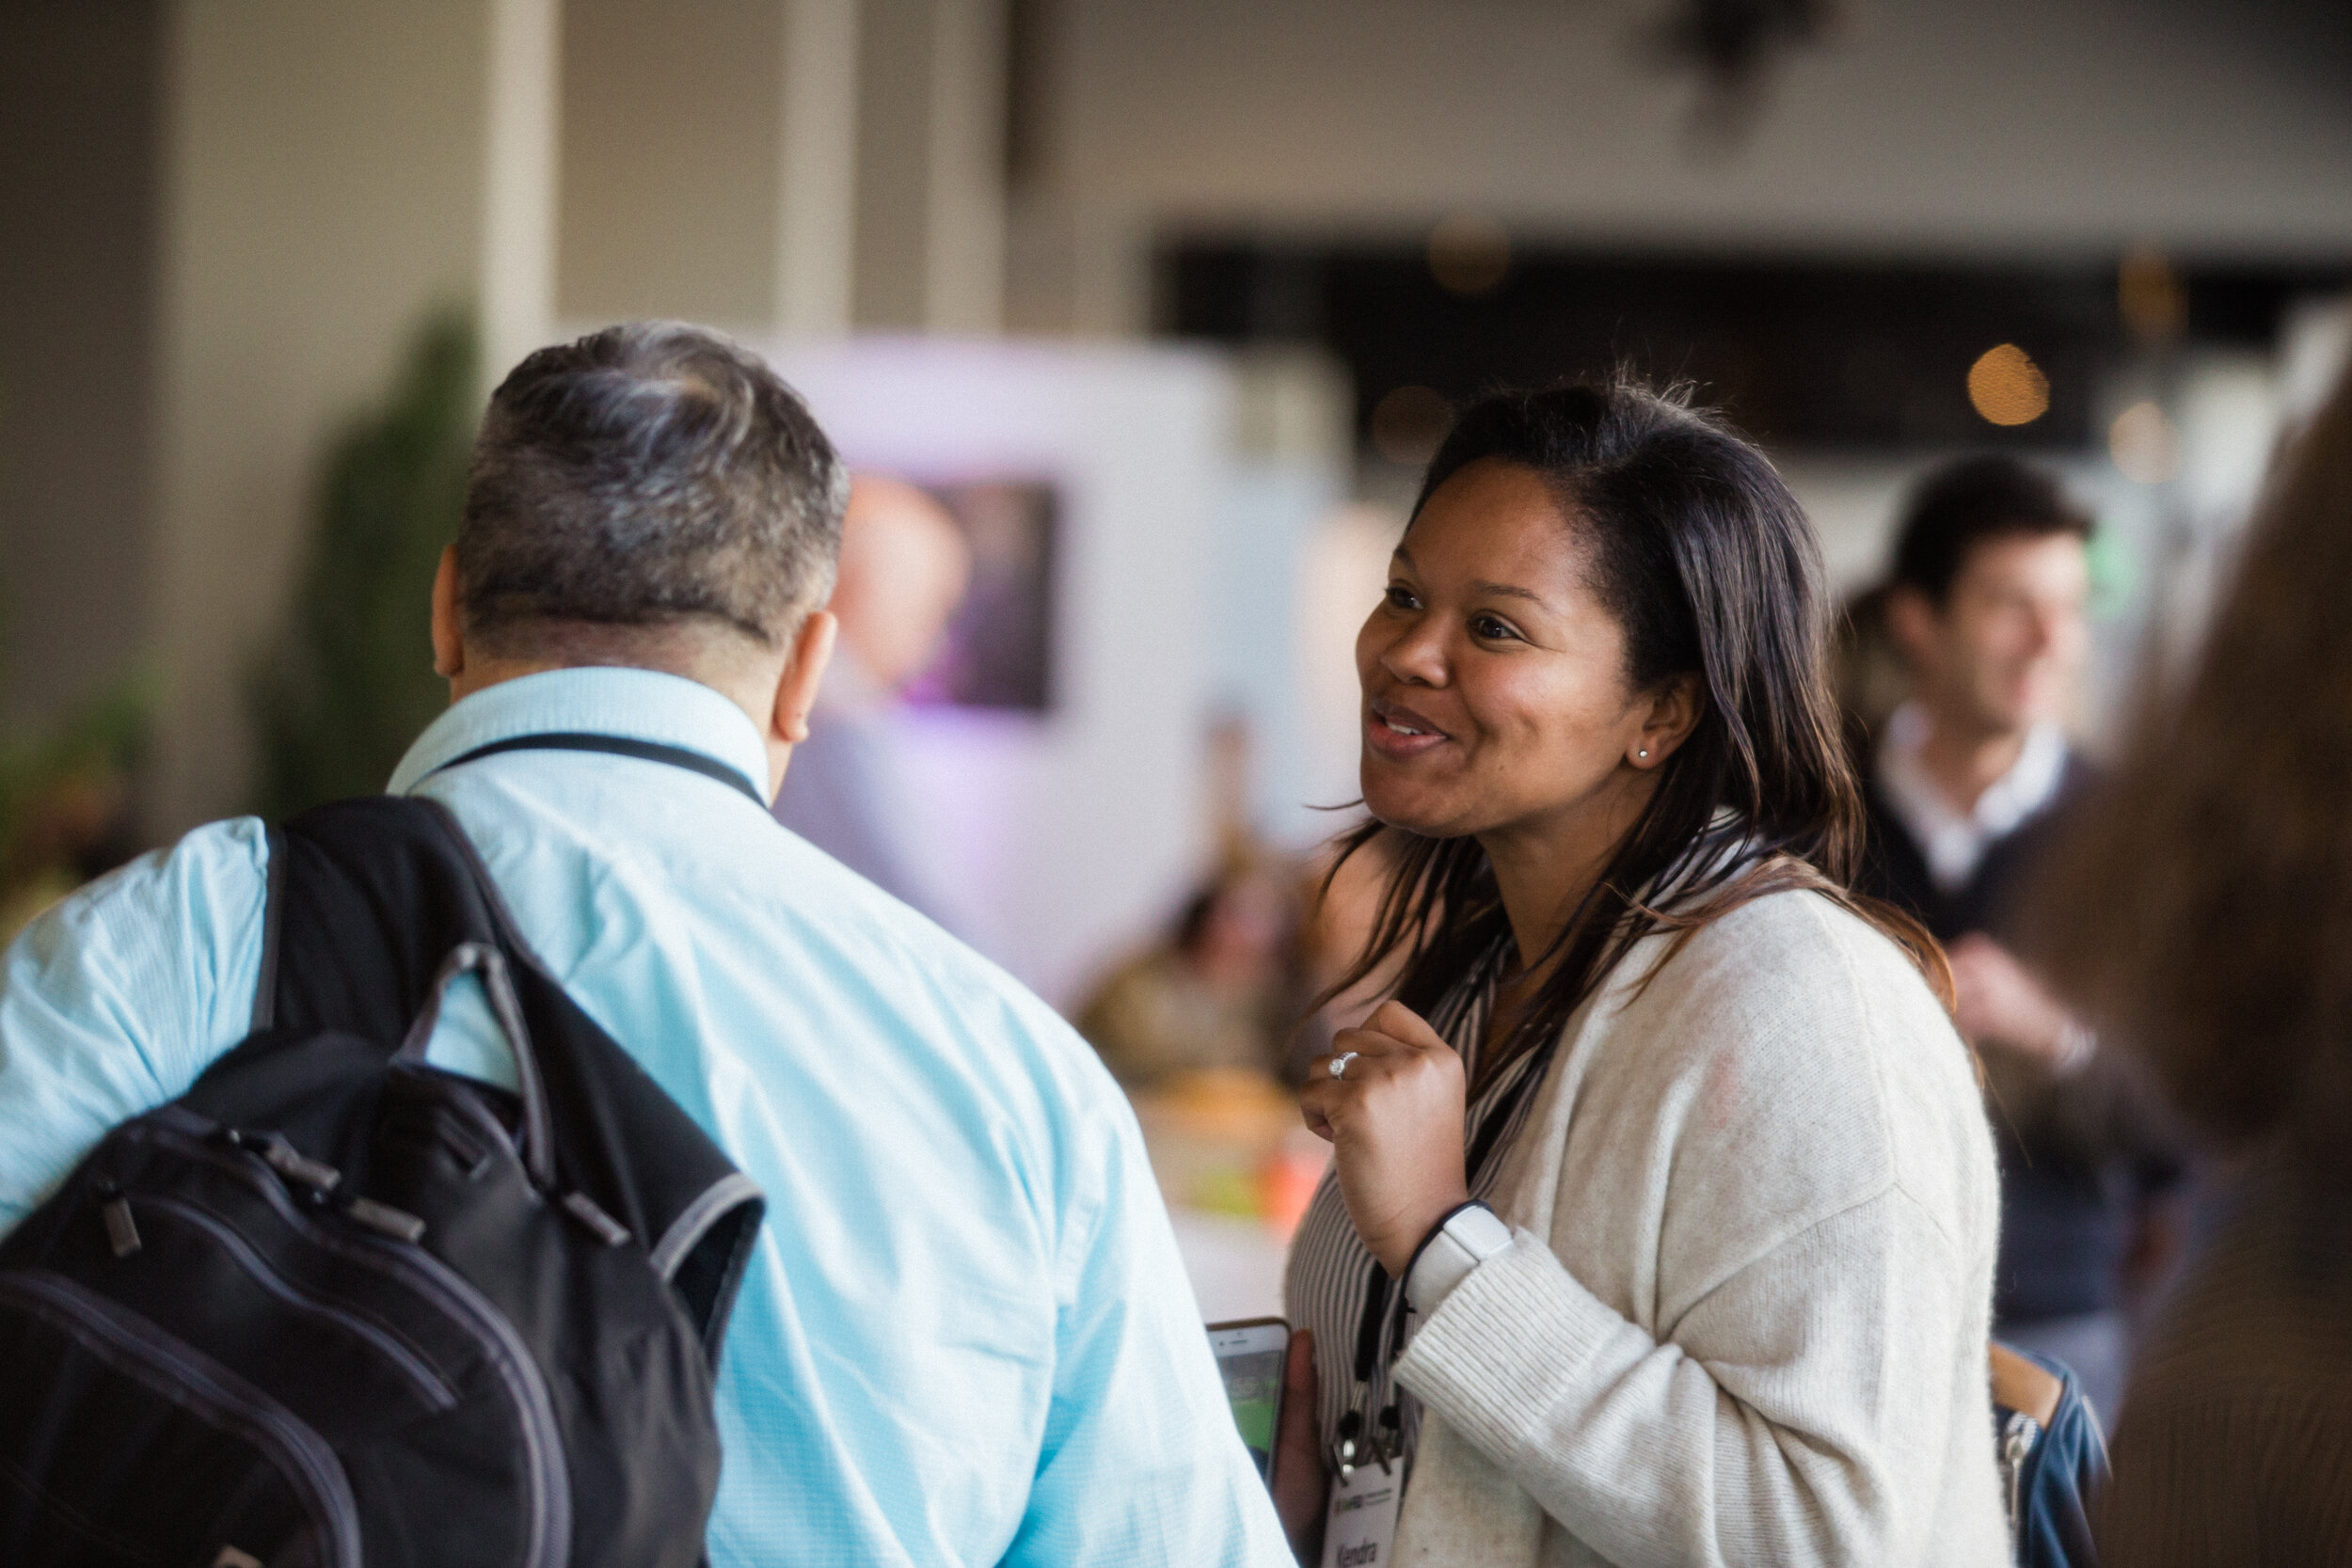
x=1968, y=778
x=1663, y=1206
x=965, y=1335
x=1218, y=994
x=905, y=566
x=2203, y=914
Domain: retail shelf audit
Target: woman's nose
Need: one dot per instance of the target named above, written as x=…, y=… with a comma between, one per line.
x=1417, y=654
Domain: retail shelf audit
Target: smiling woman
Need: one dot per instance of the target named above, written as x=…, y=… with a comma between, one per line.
x=1729, y=1302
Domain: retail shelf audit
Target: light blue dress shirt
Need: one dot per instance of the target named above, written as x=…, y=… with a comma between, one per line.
x=966, y=1337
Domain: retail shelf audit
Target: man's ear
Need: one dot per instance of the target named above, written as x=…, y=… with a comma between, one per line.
x=1912, y=624
x=803, y=673
x=1675, y=709
x=449, y=642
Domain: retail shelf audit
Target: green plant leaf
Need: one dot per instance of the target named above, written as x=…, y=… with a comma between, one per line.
x=349, y=682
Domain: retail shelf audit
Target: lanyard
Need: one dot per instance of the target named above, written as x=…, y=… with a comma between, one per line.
x=644, y=751
x=1385, y=1304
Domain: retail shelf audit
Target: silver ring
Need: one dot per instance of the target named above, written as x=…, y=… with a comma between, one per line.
x=1338, y=1063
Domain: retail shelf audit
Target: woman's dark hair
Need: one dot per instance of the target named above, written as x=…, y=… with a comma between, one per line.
x=2200, y=909
x=1708, y=564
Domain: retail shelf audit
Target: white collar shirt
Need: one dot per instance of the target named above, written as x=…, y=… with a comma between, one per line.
x=1954, y=842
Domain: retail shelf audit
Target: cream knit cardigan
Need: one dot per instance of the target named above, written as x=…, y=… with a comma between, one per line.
x=1743, y=1317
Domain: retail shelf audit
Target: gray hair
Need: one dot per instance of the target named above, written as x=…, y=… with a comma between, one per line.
x=646, y=475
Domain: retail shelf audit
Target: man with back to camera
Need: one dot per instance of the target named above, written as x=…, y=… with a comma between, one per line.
x=965, y=1336
x=1988, y=610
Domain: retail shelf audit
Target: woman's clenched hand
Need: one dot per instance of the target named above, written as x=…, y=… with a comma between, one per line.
x=1395, y=1124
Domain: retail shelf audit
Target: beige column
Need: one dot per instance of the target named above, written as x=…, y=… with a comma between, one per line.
x=930, y=211
x=521, y=170
x=331, y=173
x=965, y=262
x=816, y=190
x=709, y=161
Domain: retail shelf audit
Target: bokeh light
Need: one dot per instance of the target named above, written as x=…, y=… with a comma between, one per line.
x=2007, y=388
x=2145, y=444
x=2150, y=296
x=1470, y=254
x=1409, y=424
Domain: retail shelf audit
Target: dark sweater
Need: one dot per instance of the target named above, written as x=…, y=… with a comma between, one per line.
x=2077, y=1155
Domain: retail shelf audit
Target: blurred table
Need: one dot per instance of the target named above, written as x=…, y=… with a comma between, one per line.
x=1235, y=1265
x=1237, y=1168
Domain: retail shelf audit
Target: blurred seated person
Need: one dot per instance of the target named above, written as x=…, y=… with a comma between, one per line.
x=2224, y=960
x=1987, y=612
x=64, y=829
x=904, y=569
x=1217, y=993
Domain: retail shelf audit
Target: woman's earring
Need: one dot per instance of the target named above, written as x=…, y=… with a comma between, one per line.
x=1643, y=753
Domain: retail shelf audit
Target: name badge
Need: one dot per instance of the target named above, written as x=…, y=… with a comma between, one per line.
x=1359, y=1528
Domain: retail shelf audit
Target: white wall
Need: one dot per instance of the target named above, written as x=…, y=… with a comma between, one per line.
x=1076, y=833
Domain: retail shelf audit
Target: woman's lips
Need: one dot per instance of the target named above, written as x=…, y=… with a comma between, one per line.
x=1399, y=732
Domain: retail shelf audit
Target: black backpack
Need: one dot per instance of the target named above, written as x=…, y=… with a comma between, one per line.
x=334, y=1305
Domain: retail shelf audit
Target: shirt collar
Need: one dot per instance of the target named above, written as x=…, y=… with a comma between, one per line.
x=1954, y=842
x=634, y=704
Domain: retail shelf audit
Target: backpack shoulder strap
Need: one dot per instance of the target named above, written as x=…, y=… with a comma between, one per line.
x=272, y=921
x=368, y=899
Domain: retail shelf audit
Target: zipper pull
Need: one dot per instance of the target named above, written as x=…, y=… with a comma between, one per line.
x=288, y=1161
x=611, y=1233
x=122, y=1231
x=382, y=1218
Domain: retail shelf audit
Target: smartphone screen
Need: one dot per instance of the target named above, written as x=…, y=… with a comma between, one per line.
x=1250, y=1354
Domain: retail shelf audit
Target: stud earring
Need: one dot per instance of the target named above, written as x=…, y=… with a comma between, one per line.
x=1643, y=753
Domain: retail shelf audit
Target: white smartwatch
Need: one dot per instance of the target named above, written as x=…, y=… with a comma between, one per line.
x=1462, y=1241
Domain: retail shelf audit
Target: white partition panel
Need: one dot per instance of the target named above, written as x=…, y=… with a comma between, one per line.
x=1072, y=832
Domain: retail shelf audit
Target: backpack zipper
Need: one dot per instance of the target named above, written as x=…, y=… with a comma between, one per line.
x=142, y=1352
x=548, y=1536
x=429, y=1386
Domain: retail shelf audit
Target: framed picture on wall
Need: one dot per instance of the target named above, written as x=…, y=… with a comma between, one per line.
x=998, y=650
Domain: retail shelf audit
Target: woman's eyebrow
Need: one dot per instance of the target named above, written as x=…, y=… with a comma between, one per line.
x=1506, y=590
x=1492, y=589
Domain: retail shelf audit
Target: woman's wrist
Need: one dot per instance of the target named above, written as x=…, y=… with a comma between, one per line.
x=1401, y=1241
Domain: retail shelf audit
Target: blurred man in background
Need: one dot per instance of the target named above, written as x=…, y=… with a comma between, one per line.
x=1988, y=614
x=905, y=566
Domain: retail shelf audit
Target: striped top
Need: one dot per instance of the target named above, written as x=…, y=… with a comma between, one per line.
x=1329, y=1275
